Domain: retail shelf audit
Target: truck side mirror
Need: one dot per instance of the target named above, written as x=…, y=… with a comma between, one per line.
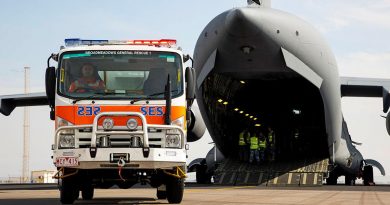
x=50, y=83
x=190, y=79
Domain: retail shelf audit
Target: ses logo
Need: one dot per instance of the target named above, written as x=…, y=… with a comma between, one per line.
x=95, y=110
x=88, y=110
x=152, y=111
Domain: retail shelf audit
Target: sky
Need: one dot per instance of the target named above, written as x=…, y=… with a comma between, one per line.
x=30, y=31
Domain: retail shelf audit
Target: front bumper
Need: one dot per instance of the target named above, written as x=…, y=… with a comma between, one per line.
x=96, y=156
x=158, y=158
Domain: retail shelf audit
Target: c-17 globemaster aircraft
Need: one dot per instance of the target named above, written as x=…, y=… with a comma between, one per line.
x=258, y=67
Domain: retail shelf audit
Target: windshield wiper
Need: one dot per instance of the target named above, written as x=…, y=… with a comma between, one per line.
x=154, y=94
x=148, y=97
x=95, y=94
x=140, y=99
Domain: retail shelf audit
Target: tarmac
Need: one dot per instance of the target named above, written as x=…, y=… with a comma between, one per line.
x=208, y=194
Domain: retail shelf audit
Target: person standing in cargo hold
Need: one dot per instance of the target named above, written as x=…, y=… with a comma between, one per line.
x=262, y=146
x=242, y=145
x=271, y=144
x=254, y=149
x=88, y=82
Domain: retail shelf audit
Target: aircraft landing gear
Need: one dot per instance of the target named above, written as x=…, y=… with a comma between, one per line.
x=332, y=179
x=350, y=180
x=201, y=176
x=368, y=176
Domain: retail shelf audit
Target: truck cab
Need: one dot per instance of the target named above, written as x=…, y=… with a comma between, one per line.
x=120, y=111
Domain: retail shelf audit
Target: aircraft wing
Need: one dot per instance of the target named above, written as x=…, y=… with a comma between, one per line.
x=9, y=102
x=366, y=87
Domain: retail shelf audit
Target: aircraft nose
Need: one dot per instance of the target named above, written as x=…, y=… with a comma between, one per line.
x=240, y=22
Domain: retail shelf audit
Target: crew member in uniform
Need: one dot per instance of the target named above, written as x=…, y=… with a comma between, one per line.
x=254, y=149
x=89, y=82
x=242, y=145
x=271, y=144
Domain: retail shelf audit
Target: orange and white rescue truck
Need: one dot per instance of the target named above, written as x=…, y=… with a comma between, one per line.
x=122, y=112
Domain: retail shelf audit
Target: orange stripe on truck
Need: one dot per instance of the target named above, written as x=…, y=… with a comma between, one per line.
x=85, y=114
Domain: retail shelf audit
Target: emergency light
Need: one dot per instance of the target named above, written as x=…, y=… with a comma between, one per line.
x=70, y=42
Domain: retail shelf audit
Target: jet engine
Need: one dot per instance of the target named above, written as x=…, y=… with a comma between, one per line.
x=196, y=125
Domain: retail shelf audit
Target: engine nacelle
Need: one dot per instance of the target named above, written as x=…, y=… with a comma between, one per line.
x=196, y=125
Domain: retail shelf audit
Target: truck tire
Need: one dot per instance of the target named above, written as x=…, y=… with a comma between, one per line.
x=175, y=190
x=69, y=191
x=87, y=192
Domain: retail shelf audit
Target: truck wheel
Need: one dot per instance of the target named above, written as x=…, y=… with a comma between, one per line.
x=175, y=190
x=69, y=191
x=87, y=192
x=368, y=176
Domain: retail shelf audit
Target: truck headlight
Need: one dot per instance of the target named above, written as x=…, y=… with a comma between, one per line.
x=172, y=141
x=66, y=141
x=108, y=123
x=132, y=124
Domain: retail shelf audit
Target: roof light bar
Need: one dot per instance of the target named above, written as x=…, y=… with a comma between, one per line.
x=77, y=42
x=70, y=42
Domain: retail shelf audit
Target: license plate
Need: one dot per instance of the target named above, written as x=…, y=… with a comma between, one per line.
x=67, y=161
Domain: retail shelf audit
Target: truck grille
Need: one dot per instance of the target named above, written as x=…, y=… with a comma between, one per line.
x=156, y=139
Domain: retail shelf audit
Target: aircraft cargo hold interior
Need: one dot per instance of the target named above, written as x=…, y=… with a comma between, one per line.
x=291, y=107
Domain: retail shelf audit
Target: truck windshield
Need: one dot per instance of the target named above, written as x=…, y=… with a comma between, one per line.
x=119, y=74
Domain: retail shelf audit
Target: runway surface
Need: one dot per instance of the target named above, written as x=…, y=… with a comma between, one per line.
x=214, y=195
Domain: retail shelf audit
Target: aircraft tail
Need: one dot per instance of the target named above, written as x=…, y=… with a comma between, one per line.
x=264, y=3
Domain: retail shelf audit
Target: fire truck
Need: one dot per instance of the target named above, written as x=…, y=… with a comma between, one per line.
x=123, y=115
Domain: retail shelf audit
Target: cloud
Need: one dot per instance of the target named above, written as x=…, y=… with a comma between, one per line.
x=338, y=22
x=374, y=65
x=362, y=13
x=332, y=15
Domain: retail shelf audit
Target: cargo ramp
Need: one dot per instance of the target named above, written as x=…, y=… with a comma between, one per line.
x=282, y=173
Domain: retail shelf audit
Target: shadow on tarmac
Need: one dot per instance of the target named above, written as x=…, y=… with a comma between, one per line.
x=54, y=201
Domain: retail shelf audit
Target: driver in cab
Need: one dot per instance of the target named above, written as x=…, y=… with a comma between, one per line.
x=88, y=82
